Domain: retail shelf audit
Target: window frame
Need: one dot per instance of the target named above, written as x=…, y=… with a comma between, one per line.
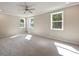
x=24, y=23
x=29, y=23
x=52, y=28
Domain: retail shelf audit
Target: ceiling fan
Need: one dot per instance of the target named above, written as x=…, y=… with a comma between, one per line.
x=27, y=8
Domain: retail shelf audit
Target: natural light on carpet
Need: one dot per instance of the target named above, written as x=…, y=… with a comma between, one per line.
x=28, y=37
x=14, y=36
x=66, y=50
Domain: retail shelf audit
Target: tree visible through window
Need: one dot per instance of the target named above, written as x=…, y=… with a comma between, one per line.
x=22, y=22
x=57, y=21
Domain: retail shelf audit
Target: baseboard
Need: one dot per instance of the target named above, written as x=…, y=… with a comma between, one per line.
x=63, y=40
x=5, y=36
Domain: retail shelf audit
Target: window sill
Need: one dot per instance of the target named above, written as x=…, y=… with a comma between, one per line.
x=57, y=29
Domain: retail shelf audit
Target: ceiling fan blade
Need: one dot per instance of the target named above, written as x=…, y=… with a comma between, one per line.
x=27, y=11
x=26, y=7
x=30, y=11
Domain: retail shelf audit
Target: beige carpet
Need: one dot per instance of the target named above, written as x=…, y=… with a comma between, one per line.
x=31, y=45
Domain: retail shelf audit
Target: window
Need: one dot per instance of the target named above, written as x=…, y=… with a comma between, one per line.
x=22, y=22
x=30, y=22
x=57, y=21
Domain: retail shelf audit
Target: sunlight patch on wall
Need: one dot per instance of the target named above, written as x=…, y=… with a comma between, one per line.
x=66, y=50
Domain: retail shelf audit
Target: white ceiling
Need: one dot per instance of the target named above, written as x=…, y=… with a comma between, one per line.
x=13, y=8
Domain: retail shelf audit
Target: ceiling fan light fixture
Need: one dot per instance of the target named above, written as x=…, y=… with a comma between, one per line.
x=27, y=8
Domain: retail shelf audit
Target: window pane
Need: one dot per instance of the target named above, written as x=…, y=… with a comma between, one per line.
x=22, y=20
x=31, y=20
x=57, y=17
x=31, y=23
x=57, y=25
x=21, y=25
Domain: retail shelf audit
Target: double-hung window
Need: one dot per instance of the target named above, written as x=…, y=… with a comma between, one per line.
x=57, y=21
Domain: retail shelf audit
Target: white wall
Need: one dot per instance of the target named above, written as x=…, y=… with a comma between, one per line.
x=71, y=26
x=9, y=25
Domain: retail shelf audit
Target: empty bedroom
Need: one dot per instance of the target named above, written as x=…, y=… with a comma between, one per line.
x=39, y=28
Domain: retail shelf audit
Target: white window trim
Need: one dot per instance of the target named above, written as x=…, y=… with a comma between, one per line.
x=57, y=21
x=24, y=22
x=28, y=24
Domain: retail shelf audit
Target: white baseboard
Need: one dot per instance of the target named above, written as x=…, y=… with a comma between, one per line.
x=63, y=40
